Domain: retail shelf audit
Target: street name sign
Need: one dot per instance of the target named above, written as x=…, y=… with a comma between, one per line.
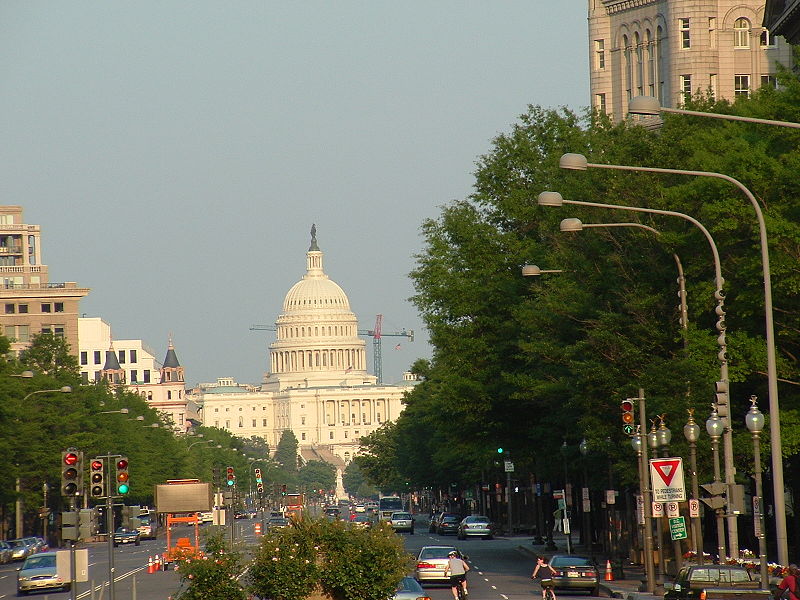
x=666, y=475
x=677, y=528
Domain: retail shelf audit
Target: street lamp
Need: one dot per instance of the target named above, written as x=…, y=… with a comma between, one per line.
x=64, y=390
x=755, y=423
x=121, y=411
x=565, y=515
x=586, y=533
x=579, y=162
x=715, y=428
x=650, y=106
x=201, y=442
x=533, y=270
x=691, y=431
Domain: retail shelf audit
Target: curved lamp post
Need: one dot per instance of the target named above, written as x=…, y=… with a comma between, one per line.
x=650, y=106
x=579, y=162
x=754, y=420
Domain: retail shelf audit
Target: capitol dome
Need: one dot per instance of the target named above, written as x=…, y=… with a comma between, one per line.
x=317, y=333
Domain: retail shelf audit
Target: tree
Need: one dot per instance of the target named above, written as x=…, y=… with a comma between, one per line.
x=50, y=355
x=355, y=482
x=317, y=475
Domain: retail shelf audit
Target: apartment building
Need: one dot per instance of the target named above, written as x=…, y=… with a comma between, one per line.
x=30, y=303
x=672, y=49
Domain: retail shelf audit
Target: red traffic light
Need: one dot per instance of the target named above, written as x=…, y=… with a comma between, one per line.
x=70, y=458
x=97, y=465
x=122, y=464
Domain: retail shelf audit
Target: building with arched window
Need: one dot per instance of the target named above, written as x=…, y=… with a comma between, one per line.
x=674, y=49
x=317, y=385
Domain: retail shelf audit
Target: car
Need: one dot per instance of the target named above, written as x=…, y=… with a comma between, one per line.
x=20, y=550
x=431, y=562
x=363, y=521
x=448, y=523
x=123, y=535
x=206, y=517
x=278, y=523
x=402, y=521
x=5, y=552
x=39, y=572
x=332, y=513
x=360, y=508
x=575, y=573
x=475, y=526
x=38, y=544
x=409, y=589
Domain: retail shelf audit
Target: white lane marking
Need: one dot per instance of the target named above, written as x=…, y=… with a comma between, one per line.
x=504, y=596
x=494, y=587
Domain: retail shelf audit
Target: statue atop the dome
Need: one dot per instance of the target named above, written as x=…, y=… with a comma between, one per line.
x=314, y=246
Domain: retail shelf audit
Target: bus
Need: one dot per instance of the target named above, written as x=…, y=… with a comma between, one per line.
x=388, y=505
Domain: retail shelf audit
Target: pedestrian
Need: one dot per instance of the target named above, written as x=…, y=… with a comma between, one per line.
x=787, y=588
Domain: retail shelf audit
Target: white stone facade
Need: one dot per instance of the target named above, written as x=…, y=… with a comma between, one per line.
x=671, y=48
x=317, y=385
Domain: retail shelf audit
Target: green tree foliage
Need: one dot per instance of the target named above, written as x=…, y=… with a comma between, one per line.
x=50, y=355
x=344, y=562
x=317, y=475
x=286, y=458
x=215, y=576
x=529, y=363
x=355, y=482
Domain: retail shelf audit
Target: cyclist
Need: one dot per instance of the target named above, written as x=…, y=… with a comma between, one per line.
x=456, y=569
x=545, y=572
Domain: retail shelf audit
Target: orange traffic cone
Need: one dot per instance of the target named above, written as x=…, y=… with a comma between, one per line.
x=150, y=566
x=609, y=573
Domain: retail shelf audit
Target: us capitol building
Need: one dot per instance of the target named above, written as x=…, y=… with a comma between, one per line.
x=317, y=385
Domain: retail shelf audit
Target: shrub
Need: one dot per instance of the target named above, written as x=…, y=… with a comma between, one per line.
x=212, y=576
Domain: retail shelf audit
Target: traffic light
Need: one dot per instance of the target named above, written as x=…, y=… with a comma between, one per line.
x=230, y=477
x=499, y=450
x=97, y=478
x=628, y=425
x=122, y=478
x=259, y=482
x=283, y=489
x=71, y=472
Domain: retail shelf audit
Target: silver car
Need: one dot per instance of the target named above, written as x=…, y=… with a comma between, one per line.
x=20, y=550
x=39, y=572
x=431, y=563
x=409, y=589
x=475, y=526
x=402, y=521
x=5, y=552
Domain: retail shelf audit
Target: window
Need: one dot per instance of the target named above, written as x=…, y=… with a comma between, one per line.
x=84, y=377
x=263, y=422
x=169, y=394
x=741, y=33
x=22, y=309
x=133, y=356
x=600, y=102
x=216, y=423
x=227, y=424
x=58, y=307
x=146, y=376
x=600, y=54
x=686, y=87
x=241, y=421
x=23, y=333
x=683, y=26
x=769, y=80
x=47, y=329
x=58, y=330
x=216, y=409
x=46, y=308
x=330, y=434
x=84, y=358
x=345, y=435
x=97, y=357
x=767, y=40
x=10, y=332
x=134, y=376
x=121, y=354
x=10, y=309
x=302, y=420
x=254, y=423
x=741, y=85
x=302, y=436
x=712, y=84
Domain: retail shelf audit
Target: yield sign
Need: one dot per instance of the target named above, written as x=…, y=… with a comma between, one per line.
x=666, y=475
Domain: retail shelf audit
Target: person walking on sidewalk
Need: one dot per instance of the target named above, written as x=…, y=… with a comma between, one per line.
x=545, y=573
x=789, y=583
x=456, y=569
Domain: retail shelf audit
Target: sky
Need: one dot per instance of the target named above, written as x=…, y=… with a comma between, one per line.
x=176, y=154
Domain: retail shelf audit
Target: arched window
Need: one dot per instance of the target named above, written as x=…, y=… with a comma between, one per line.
x=637, y=43
x=628, y=67
x=651, y=68
x=741, y=33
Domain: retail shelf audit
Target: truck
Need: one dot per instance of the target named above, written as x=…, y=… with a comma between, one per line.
x=293, y=505
x=715, y=582
x=388, y=505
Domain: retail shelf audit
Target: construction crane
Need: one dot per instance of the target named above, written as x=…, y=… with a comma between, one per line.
x=376, y=335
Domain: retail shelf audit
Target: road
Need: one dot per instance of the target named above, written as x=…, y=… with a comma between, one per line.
x=500, y=570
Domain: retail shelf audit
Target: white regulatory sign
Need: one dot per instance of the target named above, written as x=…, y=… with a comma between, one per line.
x=666, y=475
x=673, y=510
x=694, y=508
x=658, y=510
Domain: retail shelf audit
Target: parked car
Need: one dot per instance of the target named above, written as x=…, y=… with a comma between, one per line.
x=575, y=573
x=5, y=552
x=20, y=550
x=448, y=524
x=402, y=521
x=123, y=535
x=409, y=589
x=475, y=525
x=715, y=582
x=431, y=562
x=363, y=520
x=39, y=572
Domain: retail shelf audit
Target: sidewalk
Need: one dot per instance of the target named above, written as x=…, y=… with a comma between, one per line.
x=626, y=588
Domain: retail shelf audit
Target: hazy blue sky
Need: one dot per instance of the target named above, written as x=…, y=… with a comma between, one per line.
x=176, y=154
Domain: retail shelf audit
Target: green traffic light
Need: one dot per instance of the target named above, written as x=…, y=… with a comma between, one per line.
x=122, y=488
x=230, y=482
x=499, y=450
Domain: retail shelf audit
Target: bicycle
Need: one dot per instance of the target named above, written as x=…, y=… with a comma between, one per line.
x=547, y=587
x=460, y=590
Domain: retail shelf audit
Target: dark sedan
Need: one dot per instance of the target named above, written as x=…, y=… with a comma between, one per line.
x=123, y=535
x=575, y=573
x=448, y=524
